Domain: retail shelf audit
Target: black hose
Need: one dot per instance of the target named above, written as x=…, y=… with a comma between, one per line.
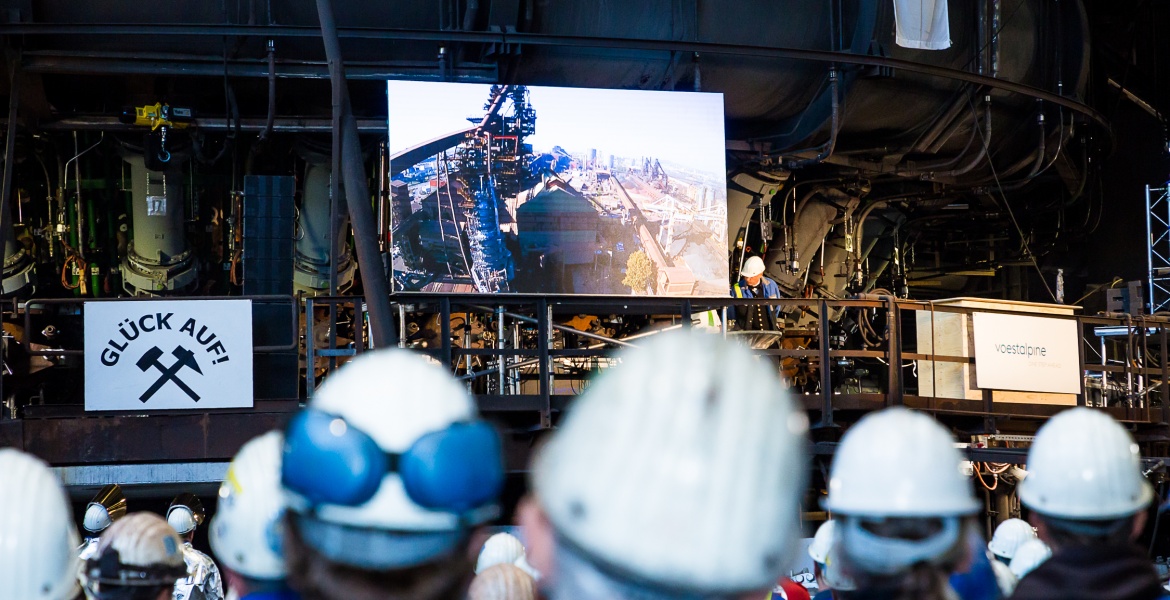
x=361, y=214
x=271, y=93
x=834, y=127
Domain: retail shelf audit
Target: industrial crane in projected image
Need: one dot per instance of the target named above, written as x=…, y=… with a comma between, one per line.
x=484, y=163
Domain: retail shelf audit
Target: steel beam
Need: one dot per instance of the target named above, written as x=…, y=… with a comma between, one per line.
x=535, y=39
x=61, y=62
x=81, y=481
x=145, y=438
x=208, y=123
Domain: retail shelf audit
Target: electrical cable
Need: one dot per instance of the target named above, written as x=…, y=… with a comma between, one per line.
x=979, y=476
x=1012, y=214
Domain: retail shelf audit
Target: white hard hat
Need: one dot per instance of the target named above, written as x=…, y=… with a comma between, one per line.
x=753, y=266
x=1084, y=465
x=1008, y=537
x=498, y=549
x=671, y=469
x=522, y=562
x=822, y=542
x=502, y=582
x=834, y=574
x=185, y=513
x=390, y=402
x=1029, y=555
x=38, y=544
x=396, y=396
x=149, y=553
x=181, y=519
x=106, y=507
x=97, y=518
x=1004, y=578
x=898, y=463
x=246, y=530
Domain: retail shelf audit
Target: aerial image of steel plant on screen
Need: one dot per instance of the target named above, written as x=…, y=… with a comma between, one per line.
x=519, y=189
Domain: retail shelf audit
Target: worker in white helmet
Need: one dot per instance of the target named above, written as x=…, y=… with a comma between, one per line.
x=982, y=577
x=202, y=582
x=1009, y=536
x=1088, y=499
x=139, y=558
x=903, y=508
x=757, y=321
x=1028, y=556
x=503, y=548
x=388, y=471
x=245, y=532
x=38, y=543
x=820, y=551
x=107, y=506
x=666, y=480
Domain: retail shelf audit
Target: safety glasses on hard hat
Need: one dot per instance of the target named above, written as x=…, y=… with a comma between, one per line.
x=329, y=461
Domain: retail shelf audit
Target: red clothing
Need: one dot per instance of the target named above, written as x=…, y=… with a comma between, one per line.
x=787, y=589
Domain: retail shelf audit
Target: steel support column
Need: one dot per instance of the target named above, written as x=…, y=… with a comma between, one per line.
x=9, y=165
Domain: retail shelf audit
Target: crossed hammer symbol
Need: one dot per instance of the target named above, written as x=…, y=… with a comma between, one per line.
x=184, y=358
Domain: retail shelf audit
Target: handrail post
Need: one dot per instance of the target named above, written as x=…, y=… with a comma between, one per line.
x=445, y=330
x=826, y=367
x=1081, y=399
x=894, y=329
x=310, y=351
x=544, y=339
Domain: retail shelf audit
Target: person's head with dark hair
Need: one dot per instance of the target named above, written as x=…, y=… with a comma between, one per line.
x=1088, y=501
x=139, y=558
x=903, y=509
x=387, y=472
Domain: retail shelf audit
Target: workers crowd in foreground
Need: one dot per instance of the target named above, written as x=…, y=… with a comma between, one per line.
x=670, y=478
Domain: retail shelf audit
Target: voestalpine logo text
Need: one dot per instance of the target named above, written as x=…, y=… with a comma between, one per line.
x=1021, y=349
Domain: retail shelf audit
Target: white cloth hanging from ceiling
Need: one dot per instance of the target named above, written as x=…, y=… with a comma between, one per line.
x=922, y=24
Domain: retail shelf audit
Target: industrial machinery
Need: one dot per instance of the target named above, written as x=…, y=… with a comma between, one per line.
x=230, y=151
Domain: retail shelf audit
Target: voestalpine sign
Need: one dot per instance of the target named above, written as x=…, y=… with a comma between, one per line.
x=1026, y=354
x=168, y=354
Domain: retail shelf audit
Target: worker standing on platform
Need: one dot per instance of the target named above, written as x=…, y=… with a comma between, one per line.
x=245, y=532
x=819, y=551
x=388, y=471
x=667, y=481
x=202, y=582
x=139, y=558
x=760, y=320
x=1088, y=500
x=107, y=506
x=1008, y=537
x=901, y=505
x=38, y=542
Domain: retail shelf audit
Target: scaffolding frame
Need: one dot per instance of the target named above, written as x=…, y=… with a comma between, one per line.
x=1158, y=247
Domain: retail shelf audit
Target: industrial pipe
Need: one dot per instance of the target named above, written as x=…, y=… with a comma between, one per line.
x=377, y=290
x=18, y=273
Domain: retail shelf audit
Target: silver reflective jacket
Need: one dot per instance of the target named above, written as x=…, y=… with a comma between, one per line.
x=202, y=581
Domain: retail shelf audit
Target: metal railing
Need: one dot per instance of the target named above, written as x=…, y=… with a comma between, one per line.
x=526, y=353
x=1131, y=352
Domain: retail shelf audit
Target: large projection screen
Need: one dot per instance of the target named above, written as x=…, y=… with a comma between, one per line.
x=525, y=189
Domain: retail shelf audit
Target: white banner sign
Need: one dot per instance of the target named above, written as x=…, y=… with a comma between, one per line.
x=1026, y=354
x=168, y=354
